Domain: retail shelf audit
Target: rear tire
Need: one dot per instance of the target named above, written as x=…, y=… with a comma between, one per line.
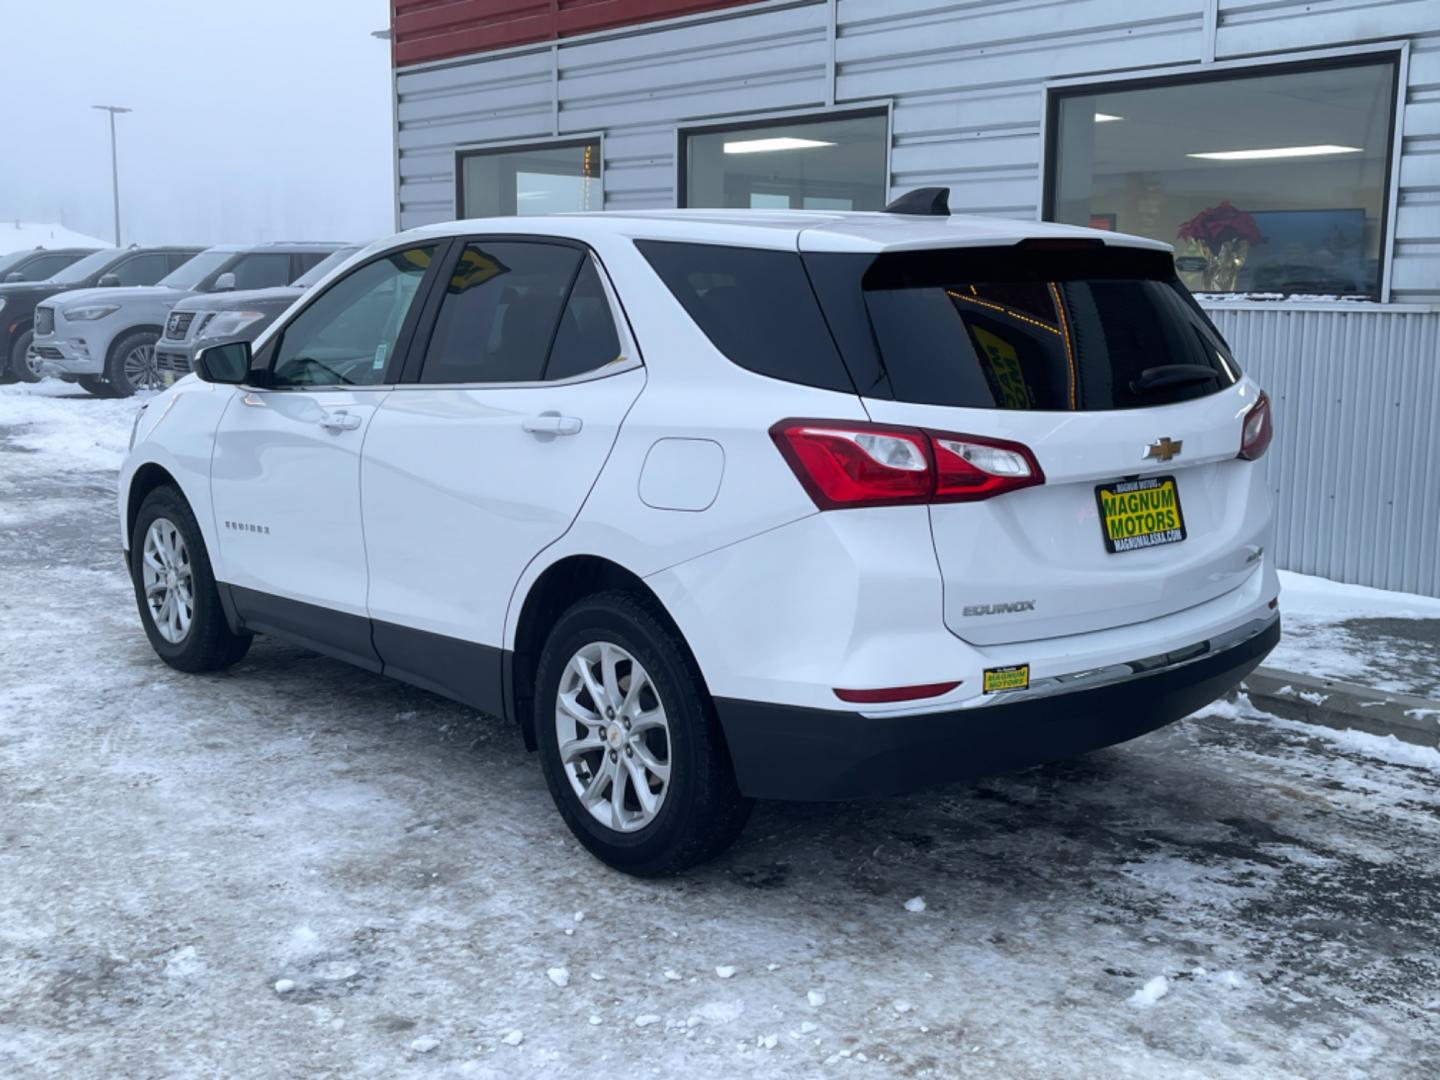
x=20, y=360
x=645, y=677
x=130, y=366
x=168, y=548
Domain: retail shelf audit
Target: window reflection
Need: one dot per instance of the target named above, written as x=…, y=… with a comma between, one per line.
x=545, y=179
x=1270, y=183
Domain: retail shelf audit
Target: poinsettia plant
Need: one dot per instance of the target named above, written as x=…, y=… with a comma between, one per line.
x=1221, y=236
x=1218, y=224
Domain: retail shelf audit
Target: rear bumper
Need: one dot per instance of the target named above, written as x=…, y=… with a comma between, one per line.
x=786, y=752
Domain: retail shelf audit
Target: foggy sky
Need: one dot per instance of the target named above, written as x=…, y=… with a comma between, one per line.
x=254, y=119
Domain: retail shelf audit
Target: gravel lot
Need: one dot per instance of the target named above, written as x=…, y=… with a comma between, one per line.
x=298, y=868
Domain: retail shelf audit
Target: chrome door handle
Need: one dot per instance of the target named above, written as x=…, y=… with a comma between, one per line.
x=552, y=423
x=339, y=421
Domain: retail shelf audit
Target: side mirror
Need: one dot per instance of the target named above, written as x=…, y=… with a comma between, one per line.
x=225, y=282
x=15, y=275
x=225, y=364
x=109, y=281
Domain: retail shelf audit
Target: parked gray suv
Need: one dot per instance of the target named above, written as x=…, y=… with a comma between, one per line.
x=218, y=318
x=105, y=338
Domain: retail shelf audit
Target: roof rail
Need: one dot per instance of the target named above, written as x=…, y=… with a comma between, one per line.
x=922, y=202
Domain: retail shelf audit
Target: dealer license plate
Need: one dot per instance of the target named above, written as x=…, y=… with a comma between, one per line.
x=1142, y=513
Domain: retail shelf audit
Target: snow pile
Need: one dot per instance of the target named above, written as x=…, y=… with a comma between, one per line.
x=1304, y=596
x=1320, y=640
x=24, y=235
x=1150, y=993
x=75, y=432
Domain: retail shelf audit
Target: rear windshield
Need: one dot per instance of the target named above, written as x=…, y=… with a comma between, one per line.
x=1005, y=328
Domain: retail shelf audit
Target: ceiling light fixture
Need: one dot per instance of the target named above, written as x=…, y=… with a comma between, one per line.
x=764, y=146
x=1323, y=150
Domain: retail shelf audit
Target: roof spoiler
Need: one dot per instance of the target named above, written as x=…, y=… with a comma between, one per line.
x=922, y=202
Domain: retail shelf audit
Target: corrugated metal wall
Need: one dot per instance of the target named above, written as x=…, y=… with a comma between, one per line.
x=1356, y=391
x=965, y=79
x=1355, y=466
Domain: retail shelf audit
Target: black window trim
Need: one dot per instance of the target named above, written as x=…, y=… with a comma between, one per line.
x=630, y=357
x=1395, y=53
x=558, y=142
x=262, y=362
x=752, y=121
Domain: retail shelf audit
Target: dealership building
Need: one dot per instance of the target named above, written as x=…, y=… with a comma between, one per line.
x=1289, y=150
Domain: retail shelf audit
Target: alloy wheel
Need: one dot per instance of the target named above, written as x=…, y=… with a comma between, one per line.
x=614, y=737
x=140, y=370
x=32, y=362
x=169, y=580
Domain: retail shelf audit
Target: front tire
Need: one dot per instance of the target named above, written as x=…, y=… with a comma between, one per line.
x=94, y=384
x=175, y=588
x=629, y=742
x=131, y=365
x=24, y=365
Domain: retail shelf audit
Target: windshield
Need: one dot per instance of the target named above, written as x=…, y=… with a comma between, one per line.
x=77, y=272
x=323, y=267
x=197, y=269
x=7, y=261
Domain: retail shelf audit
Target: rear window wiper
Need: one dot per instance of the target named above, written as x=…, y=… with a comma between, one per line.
x=1156, y=378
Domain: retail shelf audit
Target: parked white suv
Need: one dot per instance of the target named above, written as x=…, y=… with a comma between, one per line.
x=718, y=506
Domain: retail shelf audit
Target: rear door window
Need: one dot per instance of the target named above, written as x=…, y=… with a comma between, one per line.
x=1009, y=329
x=144, y=269
x=40, y=268
x=586, y=339
x=501, y=312
x=756, y=306
x=262, y=270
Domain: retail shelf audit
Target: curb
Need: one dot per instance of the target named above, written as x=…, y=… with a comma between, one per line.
x=1342, y=705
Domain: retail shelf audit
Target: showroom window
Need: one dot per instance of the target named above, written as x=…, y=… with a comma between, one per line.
x=834, y=162
x=1270, y=181
x=544, y=178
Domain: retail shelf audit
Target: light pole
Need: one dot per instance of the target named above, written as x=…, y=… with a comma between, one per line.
x=114, y=163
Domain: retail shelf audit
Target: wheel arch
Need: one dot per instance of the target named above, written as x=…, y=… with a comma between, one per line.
x=147, y=478
x=555, y=590
x=121, y=335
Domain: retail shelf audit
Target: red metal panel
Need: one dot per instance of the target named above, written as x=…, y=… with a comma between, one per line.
x=583, y=16
x=433, y=29
x=439, y=29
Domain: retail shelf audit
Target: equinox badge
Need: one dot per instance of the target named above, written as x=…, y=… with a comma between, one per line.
x=999, y=609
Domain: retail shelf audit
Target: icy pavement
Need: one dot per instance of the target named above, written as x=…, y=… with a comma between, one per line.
x=296, y=868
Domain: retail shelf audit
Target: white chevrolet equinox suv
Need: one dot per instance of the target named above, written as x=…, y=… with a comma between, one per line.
x=717, y=506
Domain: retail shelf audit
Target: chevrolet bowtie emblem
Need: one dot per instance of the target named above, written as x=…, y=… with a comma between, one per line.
x=1164, y=449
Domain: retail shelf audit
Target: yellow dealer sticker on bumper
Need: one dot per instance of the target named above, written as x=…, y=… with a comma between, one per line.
x=1015, y=677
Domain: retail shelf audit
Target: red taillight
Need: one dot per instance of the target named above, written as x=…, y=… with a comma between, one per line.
x=844, y=464
x=969, y=469
x=1257, y=431
x=896, y=693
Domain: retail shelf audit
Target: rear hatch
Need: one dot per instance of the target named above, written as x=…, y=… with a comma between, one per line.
x=1097, y=360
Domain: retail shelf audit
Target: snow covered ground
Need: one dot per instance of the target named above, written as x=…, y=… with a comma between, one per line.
x=298, y=868
x=1385, y=640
